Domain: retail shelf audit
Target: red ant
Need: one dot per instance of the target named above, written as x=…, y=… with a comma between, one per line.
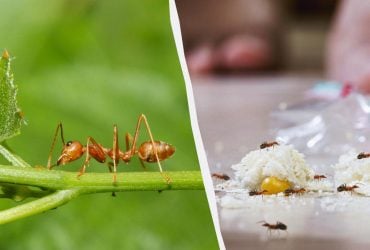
x=149, y=151
x=221, y=176
x=290, y=191
x=344, y=187
x=255, y=192
x=319, y=177
x=278, y=226
x=268, y=144
x=363, y=155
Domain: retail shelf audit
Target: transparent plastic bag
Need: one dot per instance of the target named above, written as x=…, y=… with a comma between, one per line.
x=325, y=129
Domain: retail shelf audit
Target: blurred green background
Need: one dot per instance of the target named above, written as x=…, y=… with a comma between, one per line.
x=92, y=64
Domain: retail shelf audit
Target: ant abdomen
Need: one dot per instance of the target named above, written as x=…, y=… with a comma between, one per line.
x=164, y=151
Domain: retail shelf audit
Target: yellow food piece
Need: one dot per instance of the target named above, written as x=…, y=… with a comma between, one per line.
x=273, y=185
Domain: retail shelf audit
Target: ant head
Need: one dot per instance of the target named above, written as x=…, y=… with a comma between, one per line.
x=72, y=150
x=341, y=188
x=281, y=226
x=263, y=145
x=226, y=178
x=264, y=223
x=252, y=192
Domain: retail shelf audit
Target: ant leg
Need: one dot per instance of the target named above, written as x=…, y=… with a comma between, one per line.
x=99, y=154
x=142, y=117
x=128, y=139
x=49, y=166
x=287, y=234
x=115, y=151
x=110, y=164
x=142, y=164
x=83, y=168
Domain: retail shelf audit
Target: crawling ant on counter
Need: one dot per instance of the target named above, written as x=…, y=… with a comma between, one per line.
x=149, y=151
x=363, y=155
x=268, y=144
x=255, y=192
x=345, y=188
x=221, y=176
x=319, y=177
x=290, y=191
x=278, y=226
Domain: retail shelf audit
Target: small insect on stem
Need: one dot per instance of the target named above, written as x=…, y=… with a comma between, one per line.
x=150, y=151
x=268, y=144
x=221, y=176
x=274, y=227
x=363, y=155
x=345, y=188
x=255, y=192
x=290, y=191
x=319, y=177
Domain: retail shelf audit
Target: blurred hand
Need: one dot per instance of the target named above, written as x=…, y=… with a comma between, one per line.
x=348, y=57
x=229, y=35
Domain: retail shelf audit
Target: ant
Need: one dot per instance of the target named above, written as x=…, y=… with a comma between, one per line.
x=290, y=191
x=363, y=155
x=319, y=177
x=149, y=151
x=255, y=192
x=221, y=176
x=268, y=144
x=278, y=226
x=344, y=187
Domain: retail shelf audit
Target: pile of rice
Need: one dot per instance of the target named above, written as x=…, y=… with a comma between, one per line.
x=281, y=161
x=352, y=171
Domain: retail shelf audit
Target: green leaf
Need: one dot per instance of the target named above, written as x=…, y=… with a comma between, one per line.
x=10, y=114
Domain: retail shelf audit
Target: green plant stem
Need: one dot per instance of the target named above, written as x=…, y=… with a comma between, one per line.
x=101, y=182
x=21, y=192
x=14, y=159
x=37, y=206
x=66, y=186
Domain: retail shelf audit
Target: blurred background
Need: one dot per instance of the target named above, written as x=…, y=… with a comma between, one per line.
x=292, y=32
x=248, y=59
x=92, y=64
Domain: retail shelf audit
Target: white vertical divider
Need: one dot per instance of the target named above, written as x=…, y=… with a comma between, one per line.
x=175, y=23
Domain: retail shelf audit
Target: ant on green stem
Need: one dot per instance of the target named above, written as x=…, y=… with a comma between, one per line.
x=149, y=151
